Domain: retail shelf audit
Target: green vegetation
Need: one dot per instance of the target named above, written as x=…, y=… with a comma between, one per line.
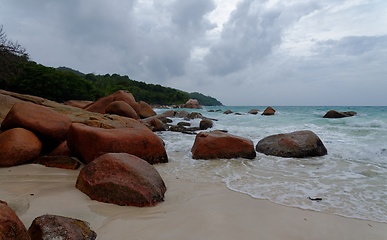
x=19, y=74
x=205, y=100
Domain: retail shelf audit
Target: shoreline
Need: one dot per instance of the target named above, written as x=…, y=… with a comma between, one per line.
x=191, y=210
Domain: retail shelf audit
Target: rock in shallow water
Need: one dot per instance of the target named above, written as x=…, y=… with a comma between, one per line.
x=297, y=144
x=218, y=144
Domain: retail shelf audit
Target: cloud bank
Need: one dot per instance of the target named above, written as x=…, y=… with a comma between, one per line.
x=243, y=52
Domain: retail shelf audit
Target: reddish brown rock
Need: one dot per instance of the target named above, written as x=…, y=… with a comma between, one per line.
x=268, y=111
x=61, y=150
x=121, y=108
x=64, y=162
x=38, y=119
x=11, y=228
x=18, y=146
x=297, y=144
x=218, y=144
x=122, y=179
x=100, y=105
x=78, y=103
x=192, y=103
x=89, y=143
x=57, y=227
x=157, y=125
x=146, y=110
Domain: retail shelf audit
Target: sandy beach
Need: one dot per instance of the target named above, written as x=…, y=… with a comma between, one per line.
x=190, y=211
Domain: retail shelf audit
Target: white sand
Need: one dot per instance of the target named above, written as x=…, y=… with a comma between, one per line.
x=190, y=211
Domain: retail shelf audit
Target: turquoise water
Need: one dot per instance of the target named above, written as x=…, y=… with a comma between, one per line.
x=351, y=179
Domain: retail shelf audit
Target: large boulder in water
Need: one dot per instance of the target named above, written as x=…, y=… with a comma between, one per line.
x=336, y=114
x=122, y=179
x=297, y=144
x=268, y=111
x=217, y=144
x=11, y=228
x=59, y=227
x=41, y=120
x=18, y=146
x=89, y=143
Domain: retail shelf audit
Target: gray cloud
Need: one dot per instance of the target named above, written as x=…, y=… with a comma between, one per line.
x=267, y=52
x=252, y=33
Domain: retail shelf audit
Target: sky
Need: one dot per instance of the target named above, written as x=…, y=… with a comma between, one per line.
x=242, y=52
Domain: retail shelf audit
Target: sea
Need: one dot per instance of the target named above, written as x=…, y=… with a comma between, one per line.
x=351, y=180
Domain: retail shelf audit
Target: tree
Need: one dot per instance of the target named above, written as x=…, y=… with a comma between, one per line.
x=12, y=54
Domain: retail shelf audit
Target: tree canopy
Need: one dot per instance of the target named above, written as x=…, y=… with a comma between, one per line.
x=19, y=74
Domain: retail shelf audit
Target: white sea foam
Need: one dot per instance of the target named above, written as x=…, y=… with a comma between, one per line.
x=351, y=179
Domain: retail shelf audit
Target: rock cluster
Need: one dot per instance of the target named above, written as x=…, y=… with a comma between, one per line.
x=43, y=227
x=114, y=138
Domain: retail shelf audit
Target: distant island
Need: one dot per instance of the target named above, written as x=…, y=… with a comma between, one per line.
x=19, y=74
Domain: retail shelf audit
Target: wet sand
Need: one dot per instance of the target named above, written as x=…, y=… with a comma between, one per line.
x=190, y=211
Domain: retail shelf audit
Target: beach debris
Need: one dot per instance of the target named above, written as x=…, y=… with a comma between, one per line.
x=11, y=227
x=315, y=199
x=218, y=144
x=268, y=111
x=336, y=114
x=88, y=143
x=59, y=227
x=297, y=144
x=122, y=179
x=18, y=146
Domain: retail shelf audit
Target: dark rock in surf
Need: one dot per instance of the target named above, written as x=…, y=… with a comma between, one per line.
x=336, y=114
x=253, y=111
x=268, y=111
x=297, y=144
x=205, y=124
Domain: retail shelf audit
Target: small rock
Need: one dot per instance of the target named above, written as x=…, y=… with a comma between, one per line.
x=11, y=228
x=57, y=227
x=268, y=111
x=205, y=124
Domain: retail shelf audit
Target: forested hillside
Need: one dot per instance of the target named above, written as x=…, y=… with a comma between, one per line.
x=19, y=74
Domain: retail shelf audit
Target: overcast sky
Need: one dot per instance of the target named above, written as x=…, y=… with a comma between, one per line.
x=242, y=52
